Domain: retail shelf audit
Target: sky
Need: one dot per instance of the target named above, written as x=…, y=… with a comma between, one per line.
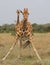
x=39, y=10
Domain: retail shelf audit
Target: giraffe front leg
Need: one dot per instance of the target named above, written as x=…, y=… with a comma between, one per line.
x=11, y=48
x=35, y=50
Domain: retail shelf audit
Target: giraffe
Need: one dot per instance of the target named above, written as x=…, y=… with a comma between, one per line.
x=23, y=28
x=23, y=31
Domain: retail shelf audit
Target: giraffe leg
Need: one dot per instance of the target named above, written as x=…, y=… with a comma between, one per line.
x=20, y=48
x=9, y=51
x=35, y=50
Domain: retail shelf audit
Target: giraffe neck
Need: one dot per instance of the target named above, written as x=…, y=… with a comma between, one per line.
x=17, y=19
x=24, y=25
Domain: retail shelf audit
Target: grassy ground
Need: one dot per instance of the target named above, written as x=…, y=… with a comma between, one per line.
x=41, y=42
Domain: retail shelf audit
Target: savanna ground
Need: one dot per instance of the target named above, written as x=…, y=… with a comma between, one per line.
x=41, y=42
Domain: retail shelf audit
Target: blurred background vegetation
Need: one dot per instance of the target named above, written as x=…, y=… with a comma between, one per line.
x=37, y=28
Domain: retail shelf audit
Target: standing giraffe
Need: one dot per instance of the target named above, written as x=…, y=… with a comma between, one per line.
x=23, y=31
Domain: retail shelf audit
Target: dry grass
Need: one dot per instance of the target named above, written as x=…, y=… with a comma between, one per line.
x=41, y=42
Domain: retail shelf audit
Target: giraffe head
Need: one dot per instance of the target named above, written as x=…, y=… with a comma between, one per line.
x=25, y=14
